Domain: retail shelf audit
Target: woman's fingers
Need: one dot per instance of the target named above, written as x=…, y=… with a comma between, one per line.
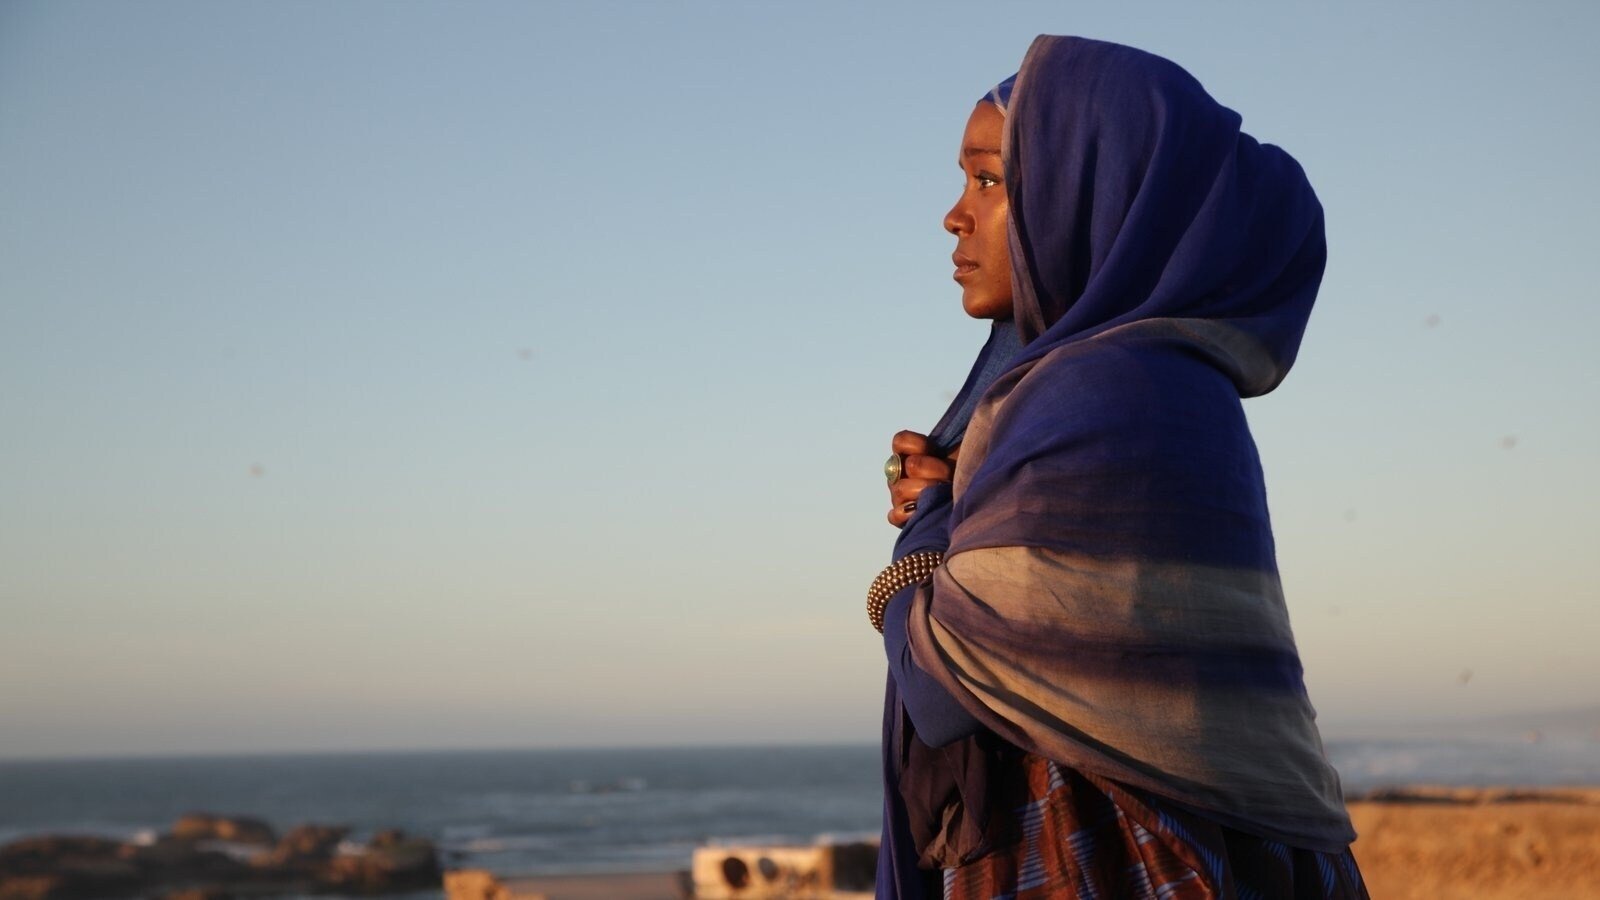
x=907, y=442
x=900, y=515
x=919, y=470
x=930, y=467
x=903, y=495
x=908, y=489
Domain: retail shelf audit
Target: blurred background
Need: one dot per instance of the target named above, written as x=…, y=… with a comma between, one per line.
x=500, y=379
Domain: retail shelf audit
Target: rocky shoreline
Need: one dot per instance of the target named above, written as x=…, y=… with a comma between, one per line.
x=210, y=857
x=1438, y=843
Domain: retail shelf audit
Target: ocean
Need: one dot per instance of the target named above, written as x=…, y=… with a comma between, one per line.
x=615, y=810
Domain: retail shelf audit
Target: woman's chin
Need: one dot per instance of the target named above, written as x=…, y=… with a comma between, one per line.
x=979, y=306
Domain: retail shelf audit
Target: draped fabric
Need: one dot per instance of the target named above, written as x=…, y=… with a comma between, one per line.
x=993, y=359
x=931, y=793
x=1110, y=598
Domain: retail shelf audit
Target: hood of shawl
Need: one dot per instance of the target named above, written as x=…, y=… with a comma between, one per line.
x=1137, y=203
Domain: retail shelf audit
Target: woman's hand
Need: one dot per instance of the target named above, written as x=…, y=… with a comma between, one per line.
x=920, y=468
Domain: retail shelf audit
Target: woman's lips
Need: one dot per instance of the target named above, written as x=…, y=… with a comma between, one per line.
x=965, y=266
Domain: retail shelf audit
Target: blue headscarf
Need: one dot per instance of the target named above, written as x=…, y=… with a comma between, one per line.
x=1134, y=196
x=1000, y=94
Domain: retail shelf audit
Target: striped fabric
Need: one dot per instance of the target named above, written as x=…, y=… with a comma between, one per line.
x=1181, y=679
x=1070, y=835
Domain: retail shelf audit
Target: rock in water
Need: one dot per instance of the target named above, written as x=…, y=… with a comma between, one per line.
x=188, y=864
x=199, y=826
x=63, y=867
x=304, y=846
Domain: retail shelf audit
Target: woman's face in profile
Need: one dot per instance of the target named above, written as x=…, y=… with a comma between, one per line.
x=978, y=220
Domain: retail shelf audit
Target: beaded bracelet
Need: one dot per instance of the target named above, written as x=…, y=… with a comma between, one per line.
x=903, y=571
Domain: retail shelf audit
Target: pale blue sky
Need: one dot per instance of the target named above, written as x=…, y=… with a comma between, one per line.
x=568, y=340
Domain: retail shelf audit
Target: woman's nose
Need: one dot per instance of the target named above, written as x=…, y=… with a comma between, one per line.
x=956, y=220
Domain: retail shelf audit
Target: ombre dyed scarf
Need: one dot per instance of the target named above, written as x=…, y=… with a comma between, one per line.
x=1110, y=596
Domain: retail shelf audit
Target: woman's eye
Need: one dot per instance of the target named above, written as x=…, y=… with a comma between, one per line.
x=986, y=179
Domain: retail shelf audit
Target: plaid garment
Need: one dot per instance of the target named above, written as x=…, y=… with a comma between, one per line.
x=1075, y=836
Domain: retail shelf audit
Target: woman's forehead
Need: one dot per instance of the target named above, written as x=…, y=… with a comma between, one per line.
x=983, y=132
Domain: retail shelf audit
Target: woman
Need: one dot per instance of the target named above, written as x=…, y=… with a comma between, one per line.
x=1094, y=690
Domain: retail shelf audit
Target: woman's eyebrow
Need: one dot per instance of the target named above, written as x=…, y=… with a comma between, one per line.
x=979, y=151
